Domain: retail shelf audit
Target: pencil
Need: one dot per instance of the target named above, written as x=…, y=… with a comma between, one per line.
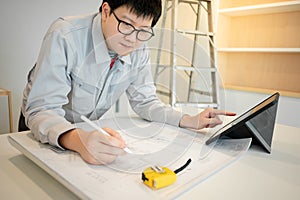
x=92, y=124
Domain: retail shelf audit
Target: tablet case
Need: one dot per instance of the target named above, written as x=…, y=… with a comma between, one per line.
x=260, y=127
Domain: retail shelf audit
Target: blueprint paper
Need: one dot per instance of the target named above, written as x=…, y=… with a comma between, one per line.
x=152, y=143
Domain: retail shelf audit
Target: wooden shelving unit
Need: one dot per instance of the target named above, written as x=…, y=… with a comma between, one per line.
x=7, y=93
x=265, y=50
x=277, y=7
x=259, y=45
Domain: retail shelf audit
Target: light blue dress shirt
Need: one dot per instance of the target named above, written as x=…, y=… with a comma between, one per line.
x=72, y=78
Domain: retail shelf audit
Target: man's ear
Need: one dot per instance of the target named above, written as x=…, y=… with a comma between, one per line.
x=105, y=10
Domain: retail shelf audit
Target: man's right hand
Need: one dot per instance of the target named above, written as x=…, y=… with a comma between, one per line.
x=94, y=147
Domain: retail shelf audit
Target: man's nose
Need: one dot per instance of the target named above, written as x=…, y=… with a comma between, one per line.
x=132, y=37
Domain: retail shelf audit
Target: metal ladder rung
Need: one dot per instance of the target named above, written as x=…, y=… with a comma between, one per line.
x=197, y=104
x=188, y=68
x=194, y=32
x=201, y=92
x=192, y=1
x=162, y=92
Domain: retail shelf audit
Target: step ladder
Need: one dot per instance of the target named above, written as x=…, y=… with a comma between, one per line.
x=197, y=96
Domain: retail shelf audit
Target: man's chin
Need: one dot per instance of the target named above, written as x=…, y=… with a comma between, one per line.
x=124, y=52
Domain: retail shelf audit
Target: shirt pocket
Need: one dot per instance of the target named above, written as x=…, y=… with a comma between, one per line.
x=83, y=95
x=117, y=89
x=120, y=84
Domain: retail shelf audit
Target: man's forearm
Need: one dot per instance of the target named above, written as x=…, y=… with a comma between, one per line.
x=187, y=122
x=70, y=140
x=74, y=140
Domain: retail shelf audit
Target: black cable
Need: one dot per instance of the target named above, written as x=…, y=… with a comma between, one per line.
x=183, y=167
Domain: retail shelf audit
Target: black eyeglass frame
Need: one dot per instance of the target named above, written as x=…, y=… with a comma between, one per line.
x=133, y=29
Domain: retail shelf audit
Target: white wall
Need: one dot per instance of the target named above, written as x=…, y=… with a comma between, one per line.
x=23, y=25
x=288, y=108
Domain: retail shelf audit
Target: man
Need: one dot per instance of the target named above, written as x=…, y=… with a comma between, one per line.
x=84, y=65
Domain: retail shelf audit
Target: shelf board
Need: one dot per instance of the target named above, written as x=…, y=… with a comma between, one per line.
x=287, y=6
x=262, y=90
x=261, y=50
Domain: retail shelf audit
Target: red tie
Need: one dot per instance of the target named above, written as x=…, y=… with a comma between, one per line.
x=112, y=62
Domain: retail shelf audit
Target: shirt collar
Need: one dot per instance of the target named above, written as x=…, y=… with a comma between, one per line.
x=126, y=59
x=100, y=47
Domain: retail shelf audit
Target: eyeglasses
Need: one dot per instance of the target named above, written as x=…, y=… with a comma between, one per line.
x=127, y=29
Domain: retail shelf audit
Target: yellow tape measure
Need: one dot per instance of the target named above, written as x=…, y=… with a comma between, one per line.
x=159, y=177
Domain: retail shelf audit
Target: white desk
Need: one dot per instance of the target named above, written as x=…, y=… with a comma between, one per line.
x=257, y=175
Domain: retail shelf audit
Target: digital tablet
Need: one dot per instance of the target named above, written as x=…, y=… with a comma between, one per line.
x=257, y=123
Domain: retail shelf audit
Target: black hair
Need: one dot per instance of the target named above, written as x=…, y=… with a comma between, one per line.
x=145, y=8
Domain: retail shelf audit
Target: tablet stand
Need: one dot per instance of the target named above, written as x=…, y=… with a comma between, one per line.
x=260, y=128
